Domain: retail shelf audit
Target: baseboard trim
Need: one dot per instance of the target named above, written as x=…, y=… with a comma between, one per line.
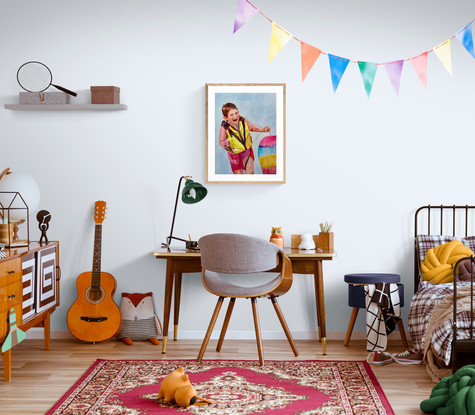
x=38, y=333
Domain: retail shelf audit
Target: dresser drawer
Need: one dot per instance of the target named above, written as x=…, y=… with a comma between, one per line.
x=10, y=271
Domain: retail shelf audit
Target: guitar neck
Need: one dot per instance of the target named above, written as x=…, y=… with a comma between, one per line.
x=96, y=260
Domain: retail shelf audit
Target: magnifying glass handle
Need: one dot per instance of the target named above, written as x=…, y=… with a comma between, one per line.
x=65, y=90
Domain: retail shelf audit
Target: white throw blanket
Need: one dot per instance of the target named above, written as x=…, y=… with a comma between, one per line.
x=382, y=299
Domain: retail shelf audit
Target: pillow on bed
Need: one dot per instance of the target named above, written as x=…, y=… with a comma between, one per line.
x=427, y=242
x=469, y=241
x=438, y=266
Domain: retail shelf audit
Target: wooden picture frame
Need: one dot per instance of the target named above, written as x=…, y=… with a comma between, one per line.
x=229, y=151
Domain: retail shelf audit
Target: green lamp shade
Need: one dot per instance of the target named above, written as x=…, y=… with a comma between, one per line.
x=193, y=192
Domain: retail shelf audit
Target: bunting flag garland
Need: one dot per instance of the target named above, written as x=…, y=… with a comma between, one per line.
x=368, y=72
x=337, y=68
x=420, y=65
x=245, y=12
x=309, y=54
x=394, y=70
x=443, y=53
x=466, y=38
x=278, y=39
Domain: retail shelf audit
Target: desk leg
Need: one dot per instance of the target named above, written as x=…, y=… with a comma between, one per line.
x=47, y=330
x=176, y=304
x=320, y=298
x=167, y=304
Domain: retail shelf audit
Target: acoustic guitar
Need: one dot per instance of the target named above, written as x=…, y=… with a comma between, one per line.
x=94, y=316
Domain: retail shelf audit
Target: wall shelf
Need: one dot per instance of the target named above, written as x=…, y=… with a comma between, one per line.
x=66, y=107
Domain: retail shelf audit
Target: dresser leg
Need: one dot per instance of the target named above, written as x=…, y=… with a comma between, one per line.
x=47, y=330
x=7, y=365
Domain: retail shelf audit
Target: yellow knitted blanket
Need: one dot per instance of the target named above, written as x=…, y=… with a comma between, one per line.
x=438, y=267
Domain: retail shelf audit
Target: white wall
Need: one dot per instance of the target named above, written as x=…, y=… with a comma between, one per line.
x=365, y=165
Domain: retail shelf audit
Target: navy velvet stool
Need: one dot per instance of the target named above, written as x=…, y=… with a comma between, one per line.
x=356, y=297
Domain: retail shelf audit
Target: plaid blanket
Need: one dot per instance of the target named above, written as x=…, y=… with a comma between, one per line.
x=420, y=311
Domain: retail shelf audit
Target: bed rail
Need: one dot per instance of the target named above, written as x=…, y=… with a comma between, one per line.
x=439, y=218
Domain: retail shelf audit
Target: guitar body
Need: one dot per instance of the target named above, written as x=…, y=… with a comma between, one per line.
x=94, y=316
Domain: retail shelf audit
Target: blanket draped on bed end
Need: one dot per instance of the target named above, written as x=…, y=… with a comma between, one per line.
x=442, y=312
x=382, y=313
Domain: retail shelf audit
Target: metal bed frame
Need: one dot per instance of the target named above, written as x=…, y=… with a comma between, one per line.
x=463, y=350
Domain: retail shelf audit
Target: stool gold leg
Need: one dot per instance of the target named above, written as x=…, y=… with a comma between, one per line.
x=354, y=314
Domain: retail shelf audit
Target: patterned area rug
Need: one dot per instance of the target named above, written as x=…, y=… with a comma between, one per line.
x=130, y=387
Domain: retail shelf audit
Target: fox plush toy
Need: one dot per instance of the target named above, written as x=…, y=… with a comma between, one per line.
x=139, y=321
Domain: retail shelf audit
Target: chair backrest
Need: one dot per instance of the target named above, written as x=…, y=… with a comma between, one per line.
x=237, y=254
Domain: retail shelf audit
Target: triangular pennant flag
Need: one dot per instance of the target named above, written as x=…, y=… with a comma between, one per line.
x=278, y=39
x=368, y=72
x=394, y=70
x=420, y=65
x=244, y=13
x=466, y=38
x=443, y=53
x=310, y=55
x=337, y=68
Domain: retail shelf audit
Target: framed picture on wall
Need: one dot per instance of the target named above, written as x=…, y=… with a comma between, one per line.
x=245, y=133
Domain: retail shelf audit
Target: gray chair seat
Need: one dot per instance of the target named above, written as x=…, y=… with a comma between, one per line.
x=213, y=282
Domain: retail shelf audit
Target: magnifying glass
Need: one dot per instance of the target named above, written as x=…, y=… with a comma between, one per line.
x=35, y=76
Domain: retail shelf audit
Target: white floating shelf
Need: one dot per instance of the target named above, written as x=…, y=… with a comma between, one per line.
x=66, y=107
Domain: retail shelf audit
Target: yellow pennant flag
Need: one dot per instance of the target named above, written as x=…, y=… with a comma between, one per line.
x=443, y=53
x=278, y=39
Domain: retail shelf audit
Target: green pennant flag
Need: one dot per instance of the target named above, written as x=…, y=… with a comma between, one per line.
x=368, y=72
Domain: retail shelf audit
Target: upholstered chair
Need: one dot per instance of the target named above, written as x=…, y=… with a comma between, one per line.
x=225, y=253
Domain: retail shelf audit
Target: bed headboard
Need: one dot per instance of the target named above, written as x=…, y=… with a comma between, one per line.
x=455, y=221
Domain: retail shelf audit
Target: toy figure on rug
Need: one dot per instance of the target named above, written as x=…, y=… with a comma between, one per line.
x=177, y=388
x=139, y=321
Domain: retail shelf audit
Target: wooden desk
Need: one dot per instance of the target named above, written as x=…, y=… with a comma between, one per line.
x=181, y=261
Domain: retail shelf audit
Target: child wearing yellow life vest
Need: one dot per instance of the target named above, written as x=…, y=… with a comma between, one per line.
x=235, y=138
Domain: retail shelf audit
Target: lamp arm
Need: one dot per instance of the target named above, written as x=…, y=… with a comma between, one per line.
x=170, y=237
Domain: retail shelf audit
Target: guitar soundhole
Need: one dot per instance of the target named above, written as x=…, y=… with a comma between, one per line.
x=95, y=294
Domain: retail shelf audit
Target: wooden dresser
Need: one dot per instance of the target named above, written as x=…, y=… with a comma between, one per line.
x=29, y=282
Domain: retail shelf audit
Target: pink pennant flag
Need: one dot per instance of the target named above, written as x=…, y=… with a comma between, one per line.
x=394, y=70
x=245, y=12
x=420, y=65
x=443, y=53
x=310, y=55
x=278, y=39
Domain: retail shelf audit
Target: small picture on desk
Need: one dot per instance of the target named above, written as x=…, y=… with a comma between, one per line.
x=245, y=133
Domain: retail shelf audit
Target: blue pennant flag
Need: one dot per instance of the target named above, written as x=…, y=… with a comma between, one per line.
x=337, y=67
x=466, y=39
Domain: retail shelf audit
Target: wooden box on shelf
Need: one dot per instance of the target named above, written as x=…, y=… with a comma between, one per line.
x=105, y=95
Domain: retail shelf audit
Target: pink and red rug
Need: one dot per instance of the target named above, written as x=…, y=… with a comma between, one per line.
x=130, y=387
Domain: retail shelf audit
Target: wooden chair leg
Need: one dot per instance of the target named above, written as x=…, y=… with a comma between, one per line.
x=210, y=328
x=354, y=314
x=258, y=330
x=225, y=324
x=402, y=332
x=284, y=325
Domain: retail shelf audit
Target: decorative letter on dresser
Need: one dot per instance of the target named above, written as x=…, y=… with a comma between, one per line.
x=29, y=282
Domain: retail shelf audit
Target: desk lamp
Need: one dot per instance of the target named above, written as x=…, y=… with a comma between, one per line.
x=193, y=192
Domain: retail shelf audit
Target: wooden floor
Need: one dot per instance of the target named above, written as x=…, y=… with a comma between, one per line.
x=40, y=378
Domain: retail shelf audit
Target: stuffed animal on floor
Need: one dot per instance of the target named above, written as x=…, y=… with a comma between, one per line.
x=177, y=388
x=139, y=321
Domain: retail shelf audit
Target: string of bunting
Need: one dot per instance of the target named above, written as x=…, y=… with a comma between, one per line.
x=309, y=54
